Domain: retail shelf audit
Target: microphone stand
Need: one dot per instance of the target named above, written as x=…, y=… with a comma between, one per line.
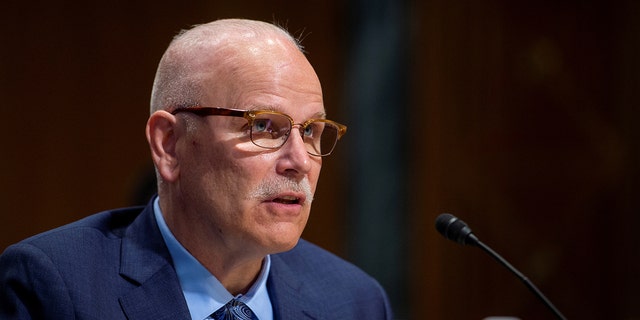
x=521, y=276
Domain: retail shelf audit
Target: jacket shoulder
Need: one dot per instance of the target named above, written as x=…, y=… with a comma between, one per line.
x=108, y=224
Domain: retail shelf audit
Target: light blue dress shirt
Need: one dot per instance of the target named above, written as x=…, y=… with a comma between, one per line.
x=202, y=291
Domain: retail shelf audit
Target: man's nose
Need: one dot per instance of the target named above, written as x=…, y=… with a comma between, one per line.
x=295, y=155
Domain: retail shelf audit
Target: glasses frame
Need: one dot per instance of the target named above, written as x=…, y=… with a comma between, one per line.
x=250, y=116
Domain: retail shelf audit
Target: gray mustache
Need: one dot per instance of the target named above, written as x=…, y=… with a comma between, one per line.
x=274, y=186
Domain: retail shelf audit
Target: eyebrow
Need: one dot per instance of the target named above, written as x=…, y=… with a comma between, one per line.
x=317, y=115
x=321, y=115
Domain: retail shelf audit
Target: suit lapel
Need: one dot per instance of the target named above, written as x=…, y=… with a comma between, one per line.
x=146, y=262
x=290, y=298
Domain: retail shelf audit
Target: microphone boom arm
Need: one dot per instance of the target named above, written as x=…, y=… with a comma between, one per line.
x=457, y=230
x=522, y=278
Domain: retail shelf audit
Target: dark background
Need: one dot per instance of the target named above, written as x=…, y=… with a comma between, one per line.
x=518, y=117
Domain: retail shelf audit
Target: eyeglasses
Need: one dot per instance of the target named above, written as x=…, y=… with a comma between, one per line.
x=271, y=129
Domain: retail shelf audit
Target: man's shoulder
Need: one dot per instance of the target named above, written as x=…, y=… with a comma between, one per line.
x=89, y=231
x=85, y=249
x=89, y=267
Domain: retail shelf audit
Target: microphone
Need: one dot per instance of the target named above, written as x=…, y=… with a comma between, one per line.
x=457, y=230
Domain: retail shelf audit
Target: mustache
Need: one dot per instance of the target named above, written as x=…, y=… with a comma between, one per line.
x=271, y=187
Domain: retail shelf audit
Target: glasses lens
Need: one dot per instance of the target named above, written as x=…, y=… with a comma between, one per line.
x=269, y=130
x=320, y=137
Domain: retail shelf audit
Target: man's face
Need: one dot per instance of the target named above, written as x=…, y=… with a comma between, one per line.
x=251, y=198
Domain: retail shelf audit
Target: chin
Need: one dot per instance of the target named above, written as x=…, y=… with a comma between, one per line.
x=280, y=236
x=283, y=246
x=283, y=242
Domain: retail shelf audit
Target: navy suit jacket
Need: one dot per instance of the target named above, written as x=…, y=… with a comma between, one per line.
x=115, y=265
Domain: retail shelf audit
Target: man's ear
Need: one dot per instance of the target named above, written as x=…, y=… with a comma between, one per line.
x=161, y=134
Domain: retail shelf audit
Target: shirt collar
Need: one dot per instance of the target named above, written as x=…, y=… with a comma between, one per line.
x=203, y=293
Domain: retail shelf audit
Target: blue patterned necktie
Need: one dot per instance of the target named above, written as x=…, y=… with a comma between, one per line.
x=234, y=310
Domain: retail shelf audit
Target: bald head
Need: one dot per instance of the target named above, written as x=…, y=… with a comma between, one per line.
x=212, y=52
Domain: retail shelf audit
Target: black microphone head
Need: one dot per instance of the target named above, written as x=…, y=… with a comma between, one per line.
x=455, y=229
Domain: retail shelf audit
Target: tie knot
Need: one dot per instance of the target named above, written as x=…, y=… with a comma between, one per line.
x=234, y=310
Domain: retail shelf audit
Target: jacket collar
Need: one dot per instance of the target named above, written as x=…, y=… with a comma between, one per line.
x=290, y=297
x=146, y=262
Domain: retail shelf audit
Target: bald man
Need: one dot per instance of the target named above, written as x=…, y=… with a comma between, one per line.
x=237, y=133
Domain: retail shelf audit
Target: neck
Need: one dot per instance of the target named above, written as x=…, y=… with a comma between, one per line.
x=238, y=279
x=236, y=270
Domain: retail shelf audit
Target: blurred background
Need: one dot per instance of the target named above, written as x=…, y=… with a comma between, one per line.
x=518, y=117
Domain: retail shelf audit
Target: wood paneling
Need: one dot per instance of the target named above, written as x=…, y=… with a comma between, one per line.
x=76, y=79
x=523, y=123
x=524, y=110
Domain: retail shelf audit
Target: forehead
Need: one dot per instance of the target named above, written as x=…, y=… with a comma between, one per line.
x=267, y=75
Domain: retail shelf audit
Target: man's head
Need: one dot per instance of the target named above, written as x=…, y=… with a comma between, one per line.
x=215, y=184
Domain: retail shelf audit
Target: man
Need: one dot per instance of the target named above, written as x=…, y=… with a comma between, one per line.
x=237, y=133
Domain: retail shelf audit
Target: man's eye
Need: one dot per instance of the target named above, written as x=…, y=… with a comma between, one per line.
x=308, y=131
x=262, y=125
x=313, y=129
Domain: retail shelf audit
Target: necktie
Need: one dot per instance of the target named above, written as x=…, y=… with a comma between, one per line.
x=234, y=310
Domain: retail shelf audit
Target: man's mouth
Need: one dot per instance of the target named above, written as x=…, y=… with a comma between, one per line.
x=287, y=200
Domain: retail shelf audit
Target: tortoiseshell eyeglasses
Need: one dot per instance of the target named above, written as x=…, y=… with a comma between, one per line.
x=271, y=129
